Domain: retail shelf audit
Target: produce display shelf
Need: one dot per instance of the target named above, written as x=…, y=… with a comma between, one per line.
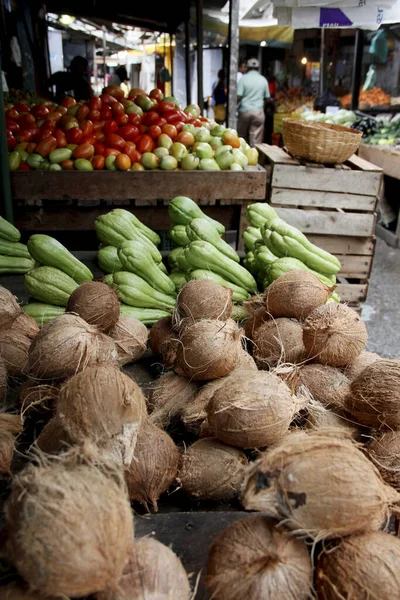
x=335, y=206
x=71, y=200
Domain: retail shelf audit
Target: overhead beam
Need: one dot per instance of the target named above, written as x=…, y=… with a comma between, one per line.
x=356, y=80
x=233, y=61
x=199, y=35
x=187, y=63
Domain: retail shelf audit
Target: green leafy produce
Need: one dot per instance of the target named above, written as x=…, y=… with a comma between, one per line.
x=42, y=313
x=49, y=252
x=137, y=259
x=135, y=291
x=182, y=210
x=49, y=285
x=200, y=229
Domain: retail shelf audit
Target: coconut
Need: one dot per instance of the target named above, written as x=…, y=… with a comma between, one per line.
x=3, y=380
x=202, y=299
x=296, y=294
x=163, y=341
x=326, y=384
x=384, y=451
x=246, y=362
x=278, y=341
x=9, y=308
x=253, y=559
x=252, y=411
x=320, y=484
x=10, y=426
x=66, y=345
x=374, y=398
x=319, y=417
x=130, y=337
x=104, y=406
x=153, y=572
x=360, y=567
x=14, y=591
x=153, y=467
x=209, y=349
x=15, y=343
x=362, y=361
x=96, y=303
x=212, y=470
x=38, y=396
x=69, y=528
x=258, y=317
x=53, y=437
x=334, y=334
x=169, y=395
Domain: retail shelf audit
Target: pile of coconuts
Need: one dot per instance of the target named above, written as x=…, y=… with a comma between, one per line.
x=286, y=414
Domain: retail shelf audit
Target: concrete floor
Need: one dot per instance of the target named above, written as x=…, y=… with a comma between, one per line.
x=381, y=311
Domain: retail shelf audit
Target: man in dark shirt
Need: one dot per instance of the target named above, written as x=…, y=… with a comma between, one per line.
x=73, y=82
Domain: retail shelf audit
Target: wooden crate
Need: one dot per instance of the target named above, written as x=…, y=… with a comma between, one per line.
x=334, y=206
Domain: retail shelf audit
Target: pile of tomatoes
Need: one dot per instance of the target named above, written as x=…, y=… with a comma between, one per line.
x=107, y=132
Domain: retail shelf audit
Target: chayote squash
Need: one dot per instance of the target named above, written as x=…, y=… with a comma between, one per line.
x=135, y=291
x=50, y=285
x=202, y=230
x=182, y=210
x=49, y=252
x=137, y=259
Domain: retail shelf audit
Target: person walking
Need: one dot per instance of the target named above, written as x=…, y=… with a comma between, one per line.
x=242, y=70
x=252, y=93
x=219, y=98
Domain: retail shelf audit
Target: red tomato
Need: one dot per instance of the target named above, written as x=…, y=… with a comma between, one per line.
x=179, y=126
x=98, y=162
x=184, y=116
x=25, y=136
x=129, y=132
x=61, y=138
x=21, y=107
x=87, y=127
x=115, y=91
x=154, y=132
x=173, y=117
x=62, y=110
x=47, y=145
x=121, y=119
x=134, y=119
x=111, y=152
x=55, y=115
x=118, y=109
x=110, y=127
x=74, y=135
x=23, y=167
x=170, y=130
x=145, y=144
x=12, y=126
x=95, y=103
x=123, y=162
x=89, y=139
x=68, y=101
x=13, y=114
x=67, y=165
x=40, y=111
x=197, y=123
x=98, y=125
x=106, y=113
x=83, y=112
x=156, y=94
x=203, y=119
x=11, y=143
x=94, y=115
x=160, y=122
x=26, y=121
x=150, y=118
x=142, y=129
x=108, y=99
x=84, y=151
x=133, y=154
x=186, y=138
x=67, y=122
x=31, y=147
x=164, y=106
x=115, y=141
x=99, y=136
x=99, y=148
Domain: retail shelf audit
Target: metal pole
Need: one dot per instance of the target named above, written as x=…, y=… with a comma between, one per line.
x=233, y=61
x=104, y=56
x=199, y=32
x=171, y=60
x=187, y=63
x=322, y=66
x=5, y=182
x=356, y=80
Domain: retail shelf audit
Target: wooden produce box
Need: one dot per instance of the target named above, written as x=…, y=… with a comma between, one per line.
x=335, y=206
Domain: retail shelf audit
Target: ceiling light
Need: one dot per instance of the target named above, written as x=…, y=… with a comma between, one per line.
x=304, y=60
x=66, y=19
x=263, y=43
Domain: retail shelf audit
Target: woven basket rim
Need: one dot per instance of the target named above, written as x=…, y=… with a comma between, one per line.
x=332, y=127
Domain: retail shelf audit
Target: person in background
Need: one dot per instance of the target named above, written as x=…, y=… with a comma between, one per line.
x=253, y=91
x=219, y=98
x=241, y=70
x=73, y=82
x=119, y=76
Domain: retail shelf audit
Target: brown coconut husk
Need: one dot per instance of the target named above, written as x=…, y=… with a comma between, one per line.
x=96, y=303
x=362, y=361
x=53, y=437
x=104, y=406
x=163, y=341
x=202, y=299
x=278, y=341
x=252, y=411
x=9, y=308
x=130, y=337
x=68, y=345
x=319, y=417
x=319, y=484
x=326, y=384
x=15, y=343
x=209, y=349
x=10, y=426
x=360, y=567
x=38, y=397
x=296, y=294
x=253, y=559
x=212, y=470
x=3, y=380
x=154, y=466
x=69, y=528
x=257, y=317
x=169, y=396
x=14, y=591
x=153, y=572
x=334, y=334
x=384, y=451
x=374, y=398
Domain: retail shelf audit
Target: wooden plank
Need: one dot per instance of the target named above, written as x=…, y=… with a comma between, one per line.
x=356, y=162
x=388, y=236
x=352, y=292
x=388, y=160
x=288, y=197
x=355, y=267
x=329, y=222
x=140, y=185
x=344, y=244
x=326, y=180
x=276, y=155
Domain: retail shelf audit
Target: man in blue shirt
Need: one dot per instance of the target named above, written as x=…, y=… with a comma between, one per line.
x=252, y=93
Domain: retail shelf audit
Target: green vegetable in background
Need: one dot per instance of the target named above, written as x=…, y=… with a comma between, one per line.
x=48, y=251
x=179, y=278
x=250, y=236
x=113, y=229
x=200, y=229
x=107, y=257
x=178, y=235
x=238, y=293
x=49, y=285
x=13, y=249
x=182, y=210
x=135, y=291
x=260, y=214
x=149, y=233
x=8, y=231
x=15, y=264
x=42, y=313
x=137, y=259
x=148, y=316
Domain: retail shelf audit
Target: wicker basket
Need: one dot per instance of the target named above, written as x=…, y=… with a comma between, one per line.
x=320, y=142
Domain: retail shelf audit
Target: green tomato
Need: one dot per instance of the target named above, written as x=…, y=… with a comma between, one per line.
x=134, y=108
x=193, y=109
x=73, y=110
x=202, y=135
x=190, y=128
x=164, y=141
x=204, y=150
x=240, y=158
x=235, y=167
x=218, y=130
x=14, y=160
x=252, y=156
x=45, y=165
x=173, y=100
x=243, y=144
x=60, y=154
x=168, y=163
x=215, y=143
x=35, y=161
x=82, y=164
x=222, y=149
x=161, y=151
x=178, y=151
x=55, y=167
x=208, y=164
x=190, y=162
x=224, y=159
x=110, y=160
x=150, y=160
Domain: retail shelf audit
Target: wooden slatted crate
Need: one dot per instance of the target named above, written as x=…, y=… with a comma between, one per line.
x=334, y=206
